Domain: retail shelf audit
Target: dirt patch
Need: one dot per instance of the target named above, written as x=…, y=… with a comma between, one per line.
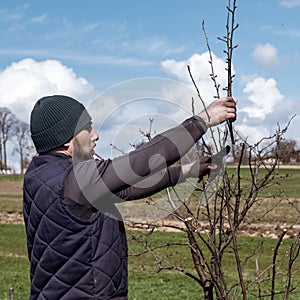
x=262, y=229
x=255, y=230
x=11, y=217
x=265, y=230
x=11, y=187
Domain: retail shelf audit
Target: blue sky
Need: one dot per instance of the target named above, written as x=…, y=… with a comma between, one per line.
x=83, y=48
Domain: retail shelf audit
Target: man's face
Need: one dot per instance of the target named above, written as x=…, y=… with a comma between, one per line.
x=84, y=142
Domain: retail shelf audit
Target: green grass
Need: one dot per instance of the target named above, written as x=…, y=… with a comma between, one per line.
x=11, y=196
x=174, y=285
x=12, y=177
x=8, y=205
x=144, y=281
x=290, y=183
x=165, y=285
x=285, y=180
x=14, y=266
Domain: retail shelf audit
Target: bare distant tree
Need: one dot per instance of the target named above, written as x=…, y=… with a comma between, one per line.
x=286, y=150
x=7, y=123
x=24, y=144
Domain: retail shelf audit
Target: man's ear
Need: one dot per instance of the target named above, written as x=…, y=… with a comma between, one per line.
x=68, y=147
x=68, y=143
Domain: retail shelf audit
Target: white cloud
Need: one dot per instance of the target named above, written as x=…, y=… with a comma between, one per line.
x=24, y=82
x=293, y=130
x=290, y=3
x=120, y=111
x=9, y=16
x=264, y=97
x=265, y=55
x=252, y=134
x=40, y=19
x=200, y=70
x=261, y=105
x=262, y=108
x=155, y=45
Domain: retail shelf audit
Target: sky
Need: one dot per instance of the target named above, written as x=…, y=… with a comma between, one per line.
x=127, y=61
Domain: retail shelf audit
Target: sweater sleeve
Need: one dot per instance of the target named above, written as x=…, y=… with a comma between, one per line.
x=136, y=175
x=162, y=151
x=152, y=184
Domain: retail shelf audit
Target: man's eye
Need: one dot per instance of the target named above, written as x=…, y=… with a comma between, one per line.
x=88, y=128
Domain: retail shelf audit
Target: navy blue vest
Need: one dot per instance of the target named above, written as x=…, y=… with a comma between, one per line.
x=70, y=258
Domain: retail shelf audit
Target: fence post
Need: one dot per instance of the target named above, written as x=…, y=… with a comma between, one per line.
x=11, y=293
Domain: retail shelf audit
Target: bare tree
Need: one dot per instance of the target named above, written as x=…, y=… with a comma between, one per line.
x=24, y=144
x=7, y=122
x=214, y=218
x=286, y=150
x=213, y=221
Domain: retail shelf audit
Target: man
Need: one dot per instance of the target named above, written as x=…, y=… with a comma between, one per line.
x=76, y=239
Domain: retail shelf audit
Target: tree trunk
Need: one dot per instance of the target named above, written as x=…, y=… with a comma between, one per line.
x=4, y=155
x=208, y=290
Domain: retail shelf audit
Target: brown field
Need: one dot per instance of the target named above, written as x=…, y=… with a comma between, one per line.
x=11, y=187
x=281, y=215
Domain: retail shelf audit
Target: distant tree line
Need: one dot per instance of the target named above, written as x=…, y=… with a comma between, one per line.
x=15, y=132
x=285, y=151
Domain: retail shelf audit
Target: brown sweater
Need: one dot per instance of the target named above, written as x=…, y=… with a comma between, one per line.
x=91, y=184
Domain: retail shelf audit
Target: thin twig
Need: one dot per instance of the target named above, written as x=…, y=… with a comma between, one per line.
x=275, y=254
x=228, y=39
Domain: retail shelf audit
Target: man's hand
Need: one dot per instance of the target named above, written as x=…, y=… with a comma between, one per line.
x=204, y=165
x=199, y=168
x=218, y=111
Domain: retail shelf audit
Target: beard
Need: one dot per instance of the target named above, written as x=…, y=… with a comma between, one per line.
x=79, y=153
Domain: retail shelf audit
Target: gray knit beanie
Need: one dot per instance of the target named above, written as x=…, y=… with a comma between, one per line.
x=55, y=120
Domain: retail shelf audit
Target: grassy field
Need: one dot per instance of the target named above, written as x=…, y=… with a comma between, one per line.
x=286, y=181
x=144, y=281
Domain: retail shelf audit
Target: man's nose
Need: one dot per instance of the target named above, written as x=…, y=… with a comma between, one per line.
x=94, y=135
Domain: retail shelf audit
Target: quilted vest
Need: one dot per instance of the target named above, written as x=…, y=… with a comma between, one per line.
x=70, y=258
